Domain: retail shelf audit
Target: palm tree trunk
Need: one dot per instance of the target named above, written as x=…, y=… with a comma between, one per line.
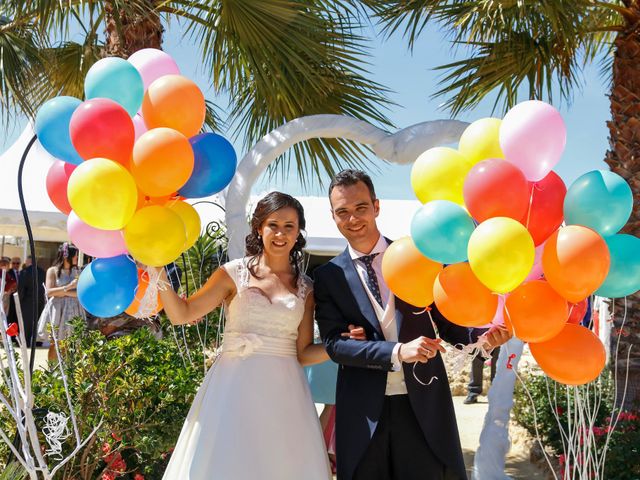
x=137, y=31
x=624, y=159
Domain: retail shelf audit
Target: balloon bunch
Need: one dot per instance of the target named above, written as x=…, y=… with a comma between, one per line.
x=493, y=213
x=129, y=156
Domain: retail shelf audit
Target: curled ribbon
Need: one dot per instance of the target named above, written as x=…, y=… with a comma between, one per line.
x=463, y=352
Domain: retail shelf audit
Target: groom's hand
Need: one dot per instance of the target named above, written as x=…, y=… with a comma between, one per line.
x=497, y=336
x=355, y=333
x=420, y=350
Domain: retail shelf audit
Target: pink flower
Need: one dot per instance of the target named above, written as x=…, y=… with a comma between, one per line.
x=108, y=476
x=106, y=448
x=628, y=416
x=138, y=476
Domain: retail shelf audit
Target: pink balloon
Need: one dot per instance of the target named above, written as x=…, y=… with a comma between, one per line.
x=139, y=126
x=93, y=241
x=498, y=318
x=536, y=271
x=533, y=137
x=153, y=64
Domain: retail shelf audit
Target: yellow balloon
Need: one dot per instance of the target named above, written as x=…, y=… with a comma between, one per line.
x=481, y=140
x=501, y=253
x=155, y=236
x=438, y=174
x=189, y=217
x=103, y=194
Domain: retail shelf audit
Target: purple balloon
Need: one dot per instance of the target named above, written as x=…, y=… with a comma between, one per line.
x=93, y=241
x=152, y=64
x=532, y=137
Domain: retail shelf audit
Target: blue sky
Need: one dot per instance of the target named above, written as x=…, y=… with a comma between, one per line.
x=412, y=80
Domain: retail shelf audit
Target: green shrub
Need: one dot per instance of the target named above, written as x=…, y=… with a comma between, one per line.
x=139, y=387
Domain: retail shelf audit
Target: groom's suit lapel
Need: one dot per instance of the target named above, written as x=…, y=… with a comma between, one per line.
x=345, y=262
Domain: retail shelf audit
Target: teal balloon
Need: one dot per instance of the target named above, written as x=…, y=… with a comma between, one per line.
x=117, y=79
x=441, y=230
x=52, y=128
x=624, y=273
x=600, y=200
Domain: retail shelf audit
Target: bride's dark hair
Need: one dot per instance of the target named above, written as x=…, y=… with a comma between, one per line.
x=254, y=248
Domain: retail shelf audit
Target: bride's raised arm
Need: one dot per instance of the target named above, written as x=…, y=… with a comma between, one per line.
x=219, y=287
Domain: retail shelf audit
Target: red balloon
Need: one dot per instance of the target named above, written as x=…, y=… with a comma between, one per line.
x=57, y=180
x=545, y=214
x=577, y=311
x=101, y=128
x=495, y=188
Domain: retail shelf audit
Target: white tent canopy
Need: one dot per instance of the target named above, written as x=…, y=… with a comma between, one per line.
x=47, y=222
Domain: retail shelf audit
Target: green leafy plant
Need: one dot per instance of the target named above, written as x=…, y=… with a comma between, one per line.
x=138, y=387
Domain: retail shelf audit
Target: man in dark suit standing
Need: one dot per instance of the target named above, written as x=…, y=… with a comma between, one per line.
x=394, y=413
x=27, y=295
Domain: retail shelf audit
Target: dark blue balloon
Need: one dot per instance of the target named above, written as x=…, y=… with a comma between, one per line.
x=213, y=168
x=107, y=286
x=52, y=128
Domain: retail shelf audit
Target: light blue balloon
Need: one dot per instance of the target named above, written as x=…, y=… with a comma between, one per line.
x=52, y=128
x=213, y=167
x=117, y=79
x=600, y=200
x=624, y=273
x=441, y=230
x=107, y=286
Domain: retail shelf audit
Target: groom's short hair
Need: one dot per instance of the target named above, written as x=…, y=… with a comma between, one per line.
x=349, y=177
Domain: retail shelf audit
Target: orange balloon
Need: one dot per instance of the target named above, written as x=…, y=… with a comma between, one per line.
x=574, y=357
x=462, y=298
x=162, y=162
x=145, y=200
x=408, y=273
x=536, y=311
x=575, y=262
x=175, y=102
x=143, y=283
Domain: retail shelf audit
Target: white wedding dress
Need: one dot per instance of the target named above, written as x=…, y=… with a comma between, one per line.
x=253, y=417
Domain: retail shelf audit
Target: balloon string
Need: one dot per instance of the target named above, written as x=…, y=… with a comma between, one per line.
x=149, y=301
x=426, y=309
x=533, y=189
x=420, y=381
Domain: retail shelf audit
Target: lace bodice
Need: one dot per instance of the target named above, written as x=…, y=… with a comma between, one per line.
x=251, y=311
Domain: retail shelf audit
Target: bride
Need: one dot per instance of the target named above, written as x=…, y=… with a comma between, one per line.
x=253, y=417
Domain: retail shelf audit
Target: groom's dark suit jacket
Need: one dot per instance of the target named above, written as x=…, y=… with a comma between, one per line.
x=341, y=300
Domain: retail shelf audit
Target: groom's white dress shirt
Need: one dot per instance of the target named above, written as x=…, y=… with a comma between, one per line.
x=386, y=316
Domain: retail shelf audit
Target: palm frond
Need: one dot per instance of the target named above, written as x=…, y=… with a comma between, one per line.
x=279, y=60
x=520, y=49
x=213, y=121
x=407, y=16
x=21, y=62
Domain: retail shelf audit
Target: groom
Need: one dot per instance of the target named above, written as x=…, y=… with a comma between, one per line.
x=394, y=414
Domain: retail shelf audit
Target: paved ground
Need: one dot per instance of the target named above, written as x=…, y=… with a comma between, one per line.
x=470, y=419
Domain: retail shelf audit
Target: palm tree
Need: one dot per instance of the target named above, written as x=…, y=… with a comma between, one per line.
x=275, y=59
x=534, y=49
